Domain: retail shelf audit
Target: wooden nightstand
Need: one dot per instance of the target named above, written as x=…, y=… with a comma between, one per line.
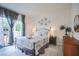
x=52, y=40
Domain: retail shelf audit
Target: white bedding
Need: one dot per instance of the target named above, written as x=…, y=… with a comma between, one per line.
x=40, y=38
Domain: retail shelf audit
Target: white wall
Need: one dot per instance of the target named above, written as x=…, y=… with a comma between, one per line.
x=28, y=25
x=59, y=14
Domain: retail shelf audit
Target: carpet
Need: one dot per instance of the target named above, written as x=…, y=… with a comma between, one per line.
x=11, y=51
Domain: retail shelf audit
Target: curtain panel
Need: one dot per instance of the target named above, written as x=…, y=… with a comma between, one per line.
x=23, y=21
x=1, y=12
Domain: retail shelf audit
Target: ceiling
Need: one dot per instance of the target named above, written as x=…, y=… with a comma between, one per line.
x=34, y=8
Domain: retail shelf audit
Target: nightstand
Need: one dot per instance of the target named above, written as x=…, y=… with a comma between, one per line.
x=52, y=40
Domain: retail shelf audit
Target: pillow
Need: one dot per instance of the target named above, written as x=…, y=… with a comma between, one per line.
x=35, y=34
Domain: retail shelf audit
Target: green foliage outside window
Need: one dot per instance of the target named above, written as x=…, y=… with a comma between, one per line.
x=18, y=27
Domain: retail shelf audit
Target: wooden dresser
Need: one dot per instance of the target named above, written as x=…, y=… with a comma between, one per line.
x=71, y=46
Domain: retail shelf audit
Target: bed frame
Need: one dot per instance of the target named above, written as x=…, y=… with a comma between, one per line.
x=32, y=52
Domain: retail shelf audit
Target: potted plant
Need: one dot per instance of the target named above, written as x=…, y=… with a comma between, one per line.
x=67, y=29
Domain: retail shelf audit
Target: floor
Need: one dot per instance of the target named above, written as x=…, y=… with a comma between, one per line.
x=12, y=51
x=53, y=51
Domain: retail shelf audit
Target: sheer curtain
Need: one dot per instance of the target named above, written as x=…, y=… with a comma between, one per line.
x=23, y=24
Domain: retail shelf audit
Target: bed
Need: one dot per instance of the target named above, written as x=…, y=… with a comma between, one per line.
x=35, y=45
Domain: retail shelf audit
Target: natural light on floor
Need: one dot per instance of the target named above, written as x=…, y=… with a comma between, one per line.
x=11, y=51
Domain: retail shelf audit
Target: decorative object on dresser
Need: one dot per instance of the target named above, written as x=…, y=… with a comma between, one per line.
x=71, y=46
x=66, y=28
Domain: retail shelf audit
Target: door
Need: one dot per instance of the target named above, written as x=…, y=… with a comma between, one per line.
x=4, y=31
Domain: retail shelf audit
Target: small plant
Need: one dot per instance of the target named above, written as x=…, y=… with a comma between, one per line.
x=67, y=29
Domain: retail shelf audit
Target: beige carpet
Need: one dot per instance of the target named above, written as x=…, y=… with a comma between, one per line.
x=53, y=51
x=11, y=51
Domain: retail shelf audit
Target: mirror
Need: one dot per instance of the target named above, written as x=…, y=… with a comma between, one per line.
x=76, y=23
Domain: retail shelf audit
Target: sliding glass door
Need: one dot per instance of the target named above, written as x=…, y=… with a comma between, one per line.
x=4, y=31
x=11, y=26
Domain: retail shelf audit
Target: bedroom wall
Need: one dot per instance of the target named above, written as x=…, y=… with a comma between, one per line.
x=28, y=26
x=59, y=14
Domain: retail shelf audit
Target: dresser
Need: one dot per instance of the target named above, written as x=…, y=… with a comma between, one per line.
x=71, y=46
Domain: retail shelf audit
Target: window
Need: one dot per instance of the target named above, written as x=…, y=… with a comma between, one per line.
x=17, y=28
x=5, y=24
x=4, y=30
